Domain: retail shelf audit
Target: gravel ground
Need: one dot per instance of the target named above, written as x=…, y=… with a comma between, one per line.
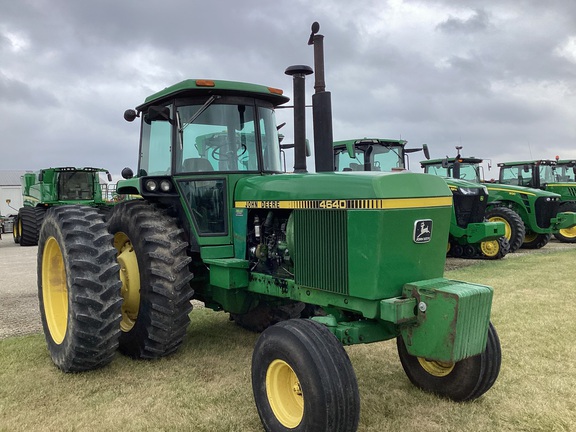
x=19, y=313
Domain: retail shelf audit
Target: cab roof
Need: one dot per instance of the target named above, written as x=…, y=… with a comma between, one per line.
x=532, y=162
x=194, y=87
x=470, y=159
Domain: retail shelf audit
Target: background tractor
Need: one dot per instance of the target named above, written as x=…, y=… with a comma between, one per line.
x=218, y=221
x=549, y=175
x=470, y=235
x=531, y=215
x=55, y=187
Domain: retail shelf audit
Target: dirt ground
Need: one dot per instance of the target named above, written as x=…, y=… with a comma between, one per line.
x=19, y=313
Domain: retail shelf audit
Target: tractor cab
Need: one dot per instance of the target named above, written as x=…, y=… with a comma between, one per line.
x=535, y=174
x=566, y=170
x=372, y=154
x=461, y=168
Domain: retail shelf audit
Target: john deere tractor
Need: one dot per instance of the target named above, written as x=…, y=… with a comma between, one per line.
x=531, y=215
x=470, y=235
x=218, y=221
x=550, y=175
x=52, y=187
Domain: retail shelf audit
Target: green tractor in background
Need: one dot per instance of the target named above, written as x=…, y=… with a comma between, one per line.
x=218, y=221
x=549, y=175
x=531, y=215
x=52, y=187
x=471, y=236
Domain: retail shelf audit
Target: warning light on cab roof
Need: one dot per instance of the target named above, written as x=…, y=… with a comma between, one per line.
x=205, y=83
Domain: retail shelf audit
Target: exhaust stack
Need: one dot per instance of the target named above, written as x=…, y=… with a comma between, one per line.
x=298, y=73
x=321, y=107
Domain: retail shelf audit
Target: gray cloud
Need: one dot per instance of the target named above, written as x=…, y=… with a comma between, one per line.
x=497, y=78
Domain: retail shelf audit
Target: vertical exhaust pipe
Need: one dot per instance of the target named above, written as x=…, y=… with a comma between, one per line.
x=321, y=107
x=298, y=74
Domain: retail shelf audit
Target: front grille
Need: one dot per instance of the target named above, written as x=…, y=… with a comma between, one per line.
x=469, y=209
x=320, y=243
x=545, y=210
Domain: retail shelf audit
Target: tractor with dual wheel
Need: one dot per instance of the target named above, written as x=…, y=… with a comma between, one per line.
x=471, y=235
x=51, y=187
x=220, y=222
x=531, y=215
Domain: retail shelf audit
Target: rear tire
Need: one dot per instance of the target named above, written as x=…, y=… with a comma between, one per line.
x=514, y=227
x=156, y=291
x=303, y=380
x=462, y=381
x=536, y=241
x=78, y=289
x=567, y=235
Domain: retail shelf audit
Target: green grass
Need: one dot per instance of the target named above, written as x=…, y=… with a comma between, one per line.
x=206, y=385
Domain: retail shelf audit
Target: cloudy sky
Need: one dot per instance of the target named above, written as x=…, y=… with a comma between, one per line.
x=497, y=77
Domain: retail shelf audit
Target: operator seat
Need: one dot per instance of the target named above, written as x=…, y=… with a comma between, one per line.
x=196, y=165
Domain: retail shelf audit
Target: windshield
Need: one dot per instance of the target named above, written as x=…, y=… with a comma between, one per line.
x=547, y=174
x=370, y=158
x=516, y=175
x=437, y=170
x=226, y=137
x=565, y=173
x=216, y=136
x=470, y=172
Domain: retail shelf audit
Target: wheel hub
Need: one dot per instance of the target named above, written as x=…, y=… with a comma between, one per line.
x=568, y=232
x=436, y=368
x=490, y=248
x=130, y=278
x=284, y=394
x=54, y=290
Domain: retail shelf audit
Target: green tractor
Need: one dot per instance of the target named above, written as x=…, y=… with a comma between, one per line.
x=470, y=235
x=550, y=175
x=52, y=187
x=531, y=215
x=218, y=221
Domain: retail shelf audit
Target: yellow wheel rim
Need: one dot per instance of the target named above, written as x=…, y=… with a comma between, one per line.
x=568, y=232
x=54, y=290
x=530, y=237
x=130, y=277
x=507, y=227
x=490, y=248
x=436, y=368
x=284, y=394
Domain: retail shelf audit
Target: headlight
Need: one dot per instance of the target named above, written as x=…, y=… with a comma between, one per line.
x=151, y=185
x=165, y=185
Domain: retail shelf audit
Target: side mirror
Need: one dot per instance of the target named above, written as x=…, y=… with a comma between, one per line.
x=130, y=115
x=526, y=168
x=445, y=163
x=109, y=176
x=127, y=173
x=41, y=176
x=426, y=151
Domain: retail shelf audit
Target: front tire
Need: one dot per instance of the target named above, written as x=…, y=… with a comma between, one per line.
x=152, y=254
x=78, y=289
x=462, y=381
x=514, y=227
x=303, y=380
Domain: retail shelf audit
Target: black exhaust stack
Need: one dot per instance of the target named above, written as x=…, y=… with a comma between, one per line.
x=321, y=107
x=298, y=74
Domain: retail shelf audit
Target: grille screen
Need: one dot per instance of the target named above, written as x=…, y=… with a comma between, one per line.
x=320, y=258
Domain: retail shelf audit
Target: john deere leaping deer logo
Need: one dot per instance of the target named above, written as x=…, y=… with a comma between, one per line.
x=422, y=231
